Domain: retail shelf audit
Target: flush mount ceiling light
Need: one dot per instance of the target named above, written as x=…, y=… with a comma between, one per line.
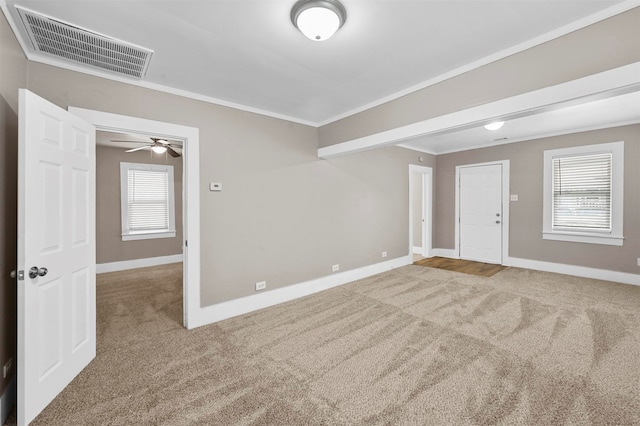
x=318, y=19
x=494, y=126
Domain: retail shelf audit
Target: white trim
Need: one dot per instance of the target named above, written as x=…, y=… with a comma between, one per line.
x=8, y=399
x=125, y=265
x=427, y=211
x=243, y=305
x=578, y=271
x=624, y=79
x=551, y=35
x=148, y=235
x=615, y=237
x=417, y=250
x=505, y=206
x=449, y=253
x=190, y=195
x=169, y=232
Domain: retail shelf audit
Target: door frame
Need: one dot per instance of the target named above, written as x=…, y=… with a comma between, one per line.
x=191, y=192
x=505, y=207
x=427, y=208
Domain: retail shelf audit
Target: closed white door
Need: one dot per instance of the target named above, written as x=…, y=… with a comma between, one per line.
x=56, y=252
x=480, y=205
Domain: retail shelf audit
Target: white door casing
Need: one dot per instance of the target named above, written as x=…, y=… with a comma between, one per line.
x=56, y=230
x=193, y=315
x=480, y=213
x=427, y=202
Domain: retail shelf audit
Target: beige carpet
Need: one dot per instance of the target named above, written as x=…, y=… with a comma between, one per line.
x=413, y=346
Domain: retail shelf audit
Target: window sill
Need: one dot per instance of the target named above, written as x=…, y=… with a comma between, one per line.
x=148, y=235
x=579, y=237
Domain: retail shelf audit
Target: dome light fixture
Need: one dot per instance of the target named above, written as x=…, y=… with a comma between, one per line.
x=494, y=126
x=159, y=149
x=318, y=20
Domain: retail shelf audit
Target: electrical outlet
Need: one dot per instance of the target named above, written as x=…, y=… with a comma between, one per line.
x=261, y=285
x=335, y=268
x=384, y=254
x=7, y=368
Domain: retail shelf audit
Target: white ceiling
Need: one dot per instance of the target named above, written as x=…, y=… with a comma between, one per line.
x=246, y=53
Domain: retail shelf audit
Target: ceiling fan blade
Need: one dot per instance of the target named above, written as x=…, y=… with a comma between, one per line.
x=138, y=148
x=172, y=152
x=129, y=141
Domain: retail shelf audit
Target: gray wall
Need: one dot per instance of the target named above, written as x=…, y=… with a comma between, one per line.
x=526, y=176
x=109, y=244
x=13, y=66
x=602, y=46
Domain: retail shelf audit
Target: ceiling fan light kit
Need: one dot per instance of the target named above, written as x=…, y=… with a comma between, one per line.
x=159, y=146
x=318, y=20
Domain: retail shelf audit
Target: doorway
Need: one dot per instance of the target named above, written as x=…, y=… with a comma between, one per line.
x=420, y=210
x=482, y=212
x=191, y=197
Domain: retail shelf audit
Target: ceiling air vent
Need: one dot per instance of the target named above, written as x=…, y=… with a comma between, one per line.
x=72, y=43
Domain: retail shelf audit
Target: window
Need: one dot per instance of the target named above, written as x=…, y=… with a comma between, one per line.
x=583, y=194
x=147, y=201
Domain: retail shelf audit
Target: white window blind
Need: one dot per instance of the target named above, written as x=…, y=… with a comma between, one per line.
x=148, y=207
x=582, y=192
x=148, y=200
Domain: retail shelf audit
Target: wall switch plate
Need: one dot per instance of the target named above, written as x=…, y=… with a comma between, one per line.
x=639, y=261
x=335, y=268
x=514, y=197
x=215, y=186
x=7, y=368
x=384, y=254
x=261, y=285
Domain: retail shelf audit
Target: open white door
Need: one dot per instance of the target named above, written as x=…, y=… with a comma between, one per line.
x=56, y=252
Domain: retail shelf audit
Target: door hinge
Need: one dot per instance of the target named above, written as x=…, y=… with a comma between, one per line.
x=186, y=243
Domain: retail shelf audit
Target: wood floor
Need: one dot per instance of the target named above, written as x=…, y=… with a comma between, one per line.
x=460, y=265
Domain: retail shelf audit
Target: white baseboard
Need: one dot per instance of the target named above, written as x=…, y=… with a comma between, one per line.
x=578, y=271
x=8, y=400
x=417, y=250
x=232, y=308
x=450, y=253
x=137, y=263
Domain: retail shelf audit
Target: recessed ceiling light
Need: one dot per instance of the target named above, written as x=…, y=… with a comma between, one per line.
x=318, y=19
x=494, y=126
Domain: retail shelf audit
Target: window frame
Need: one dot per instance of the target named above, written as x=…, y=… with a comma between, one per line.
x=128, y=235
x=615, y=235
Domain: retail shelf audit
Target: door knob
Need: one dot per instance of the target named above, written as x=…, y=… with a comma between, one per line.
x=497, y=221
x=35, y=272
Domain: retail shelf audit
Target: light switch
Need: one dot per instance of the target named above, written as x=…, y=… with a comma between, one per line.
x=514, y=197
x=215, y=186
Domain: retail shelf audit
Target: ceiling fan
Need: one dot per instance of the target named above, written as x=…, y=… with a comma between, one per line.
x=157, y=145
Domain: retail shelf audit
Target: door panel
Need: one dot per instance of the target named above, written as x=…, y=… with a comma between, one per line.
x=481, y=213
x=56, y=231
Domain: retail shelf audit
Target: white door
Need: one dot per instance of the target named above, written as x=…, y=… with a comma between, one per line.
x=481, y=213
x=56, y=231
